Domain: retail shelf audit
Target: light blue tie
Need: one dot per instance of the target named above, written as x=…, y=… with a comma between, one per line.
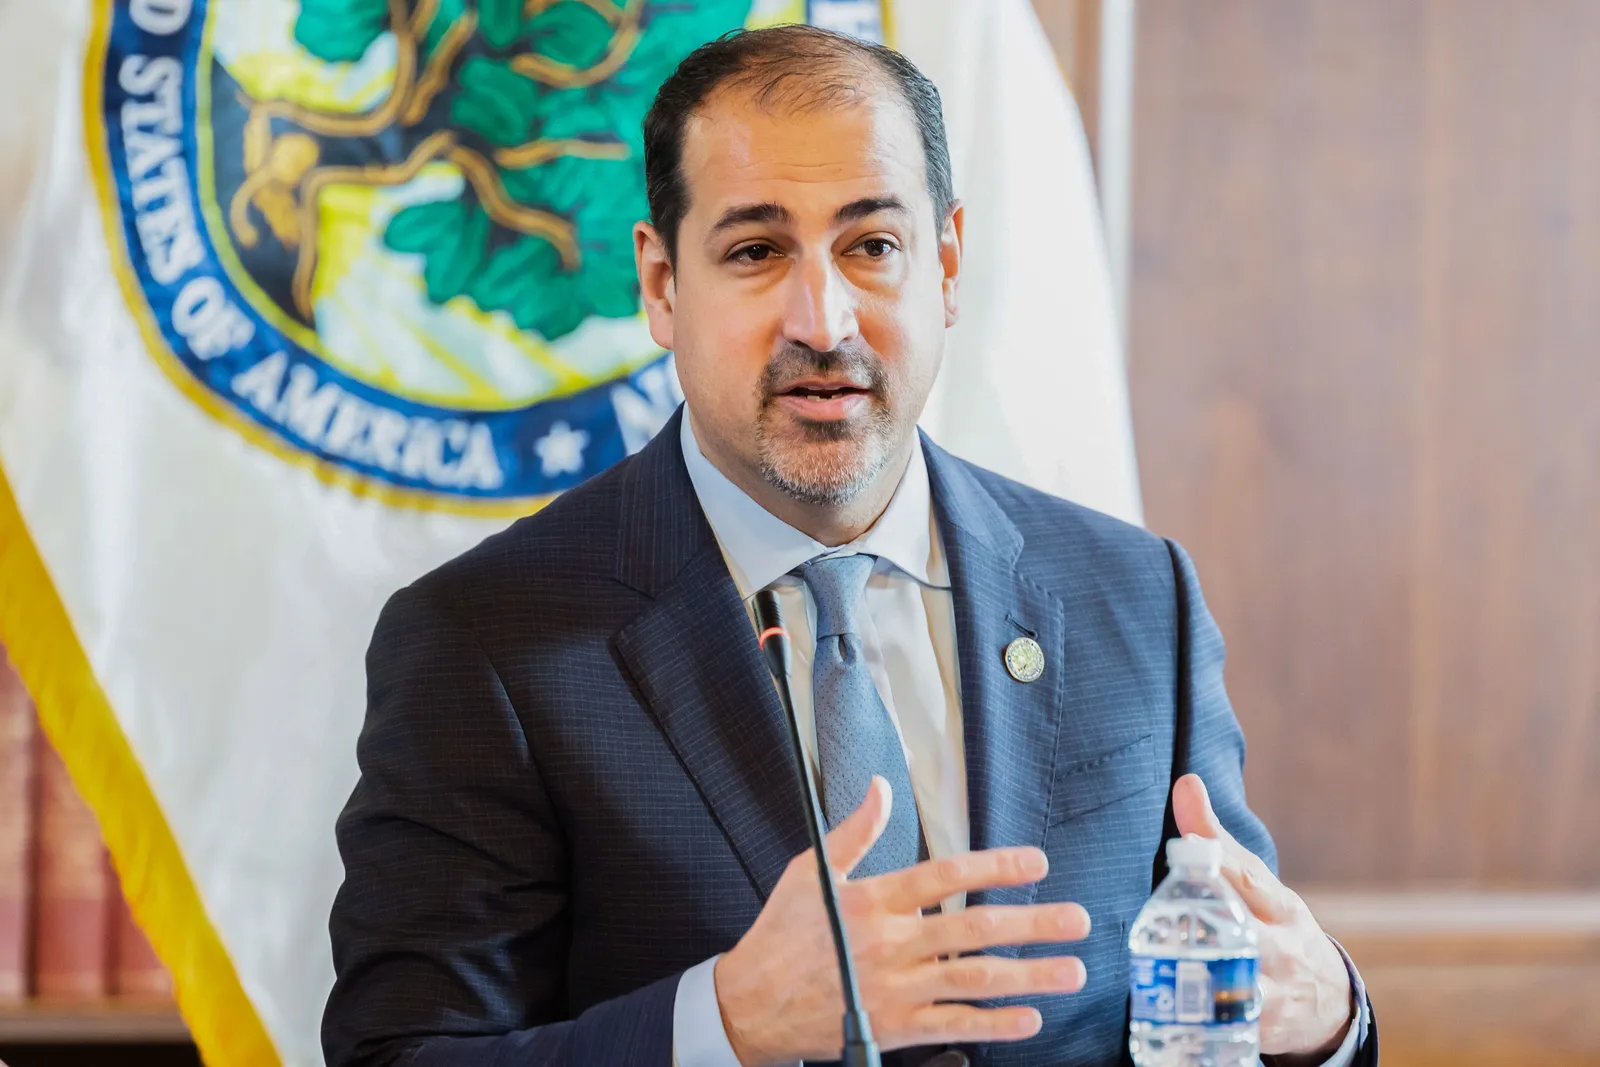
x=855, y=736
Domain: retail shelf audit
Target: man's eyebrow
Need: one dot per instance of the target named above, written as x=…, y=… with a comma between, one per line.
x=869, y=205
x=747, y=213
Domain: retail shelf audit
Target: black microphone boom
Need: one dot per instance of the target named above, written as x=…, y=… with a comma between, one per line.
x=859, y=1048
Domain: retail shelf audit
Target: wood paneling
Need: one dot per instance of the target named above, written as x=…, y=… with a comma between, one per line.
x=1486, y=1015
x=1476, y=980
x=1366, y=387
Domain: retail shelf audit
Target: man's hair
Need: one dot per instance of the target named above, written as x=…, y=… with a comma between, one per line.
x=798, y=67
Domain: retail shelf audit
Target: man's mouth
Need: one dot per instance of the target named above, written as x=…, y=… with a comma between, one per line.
x=824, y=398
x=823, y=390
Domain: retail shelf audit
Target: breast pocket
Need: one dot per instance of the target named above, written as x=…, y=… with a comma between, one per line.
x=1087, y=785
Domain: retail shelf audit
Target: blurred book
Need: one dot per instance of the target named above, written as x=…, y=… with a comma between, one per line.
x=66, y=930
x=136, y=970
x=16, y=832
x=72, y=906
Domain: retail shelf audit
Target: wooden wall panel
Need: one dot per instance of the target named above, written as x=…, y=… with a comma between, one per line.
x=1365, y=363
x=1476, y=980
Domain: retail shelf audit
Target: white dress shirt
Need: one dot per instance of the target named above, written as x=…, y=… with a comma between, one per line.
x=908, y=634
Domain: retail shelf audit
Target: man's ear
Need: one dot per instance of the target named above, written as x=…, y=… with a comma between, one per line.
x=657, y=282
x=950, y=259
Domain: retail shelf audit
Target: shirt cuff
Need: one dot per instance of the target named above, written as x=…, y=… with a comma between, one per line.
x=698, y=1039
x=1356, y=1036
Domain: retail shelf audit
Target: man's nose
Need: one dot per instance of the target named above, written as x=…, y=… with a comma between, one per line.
x=820, y=309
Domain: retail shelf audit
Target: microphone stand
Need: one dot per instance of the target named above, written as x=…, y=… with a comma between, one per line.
x=859, y=1048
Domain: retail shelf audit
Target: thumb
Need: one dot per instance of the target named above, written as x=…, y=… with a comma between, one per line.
x=1191, y=807
x=1262, y=892
x=850, y=841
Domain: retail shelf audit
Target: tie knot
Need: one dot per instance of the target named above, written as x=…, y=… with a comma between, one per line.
x=836, y=584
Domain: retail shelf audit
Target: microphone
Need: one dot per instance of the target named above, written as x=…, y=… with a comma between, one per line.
x=859, y=1048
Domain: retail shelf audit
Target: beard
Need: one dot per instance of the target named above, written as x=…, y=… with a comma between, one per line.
x=826, y=462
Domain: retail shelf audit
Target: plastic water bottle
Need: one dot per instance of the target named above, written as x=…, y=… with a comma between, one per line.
x=1195, y=958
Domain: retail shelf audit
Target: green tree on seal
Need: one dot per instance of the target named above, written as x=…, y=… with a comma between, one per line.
x=538, y=103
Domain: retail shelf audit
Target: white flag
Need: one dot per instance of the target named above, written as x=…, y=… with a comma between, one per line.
x=300, y=298
x=1033, y=384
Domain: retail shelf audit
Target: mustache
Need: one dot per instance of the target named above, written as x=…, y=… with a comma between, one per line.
x=856, y=363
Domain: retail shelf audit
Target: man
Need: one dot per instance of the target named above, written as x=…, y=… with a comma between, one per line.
x=577, y=840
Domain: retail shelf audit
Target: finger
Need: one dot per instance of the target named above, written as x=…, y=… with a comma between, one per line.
x=988, y=977
x=1191, y=808
x=1267, y=898
x=850, y=841
x=974, y=929
x=946, y=1024
x=931, y=881
x=1249, y=874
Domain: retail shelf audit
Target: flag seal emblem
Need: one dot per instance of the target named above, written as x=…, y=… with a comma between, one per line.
x=391, y=239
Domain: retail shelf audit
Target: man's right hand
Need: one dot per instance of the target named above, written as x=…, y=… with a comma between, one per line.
x=778, y=988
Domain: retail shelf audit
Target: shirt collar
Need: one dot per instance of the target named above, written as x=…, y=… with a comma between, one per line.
x=760, y=548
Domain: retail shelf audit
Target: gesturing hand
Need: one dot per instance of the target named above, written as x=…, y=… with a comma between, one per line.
x=778, y=988
x=1307, y=988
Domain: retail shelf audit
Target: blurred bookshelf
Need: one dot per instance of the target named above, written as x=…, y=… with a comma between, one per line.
x=114, y=1032
x=80, y=985
x=106, y=1022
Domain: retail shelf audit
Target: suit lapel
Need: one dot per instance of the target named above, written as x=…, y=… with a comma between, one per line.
x=1011, y=728
x=693, y=655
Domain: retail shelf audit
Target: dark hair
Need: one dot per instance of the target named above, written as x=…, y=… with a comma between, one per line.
x=797, y=66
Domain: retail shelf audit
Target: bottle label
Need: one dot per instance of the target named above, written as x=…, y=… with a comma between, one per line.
x=1195, y=992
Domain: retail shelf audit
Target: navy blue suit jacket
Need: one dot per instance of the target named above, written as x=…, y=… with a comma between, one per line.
x=576, y=778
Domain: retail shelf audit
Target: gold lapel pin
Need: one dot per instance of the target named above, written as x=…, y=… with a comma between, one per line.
x=1025, y=659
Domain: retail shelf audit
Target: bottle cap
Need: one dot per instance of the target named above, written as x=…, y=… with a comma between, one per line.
x=1194, y=851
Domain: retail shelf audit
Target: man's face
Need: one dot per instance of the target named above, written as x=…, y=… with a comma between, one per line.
x=811, y=292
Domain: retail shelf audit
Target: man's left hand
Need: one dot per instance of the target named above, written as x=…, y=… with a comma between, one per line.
x=1307, y=1008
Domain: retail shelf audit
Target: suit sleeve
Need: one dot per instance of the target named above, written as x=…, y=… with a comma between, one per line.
x=450, y=932
x=1209, y=741
x=1211, y=744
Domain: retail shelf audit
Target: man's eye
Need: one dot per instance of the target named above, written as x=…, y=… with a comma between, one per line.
x=753, y=253
x=876, y=247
